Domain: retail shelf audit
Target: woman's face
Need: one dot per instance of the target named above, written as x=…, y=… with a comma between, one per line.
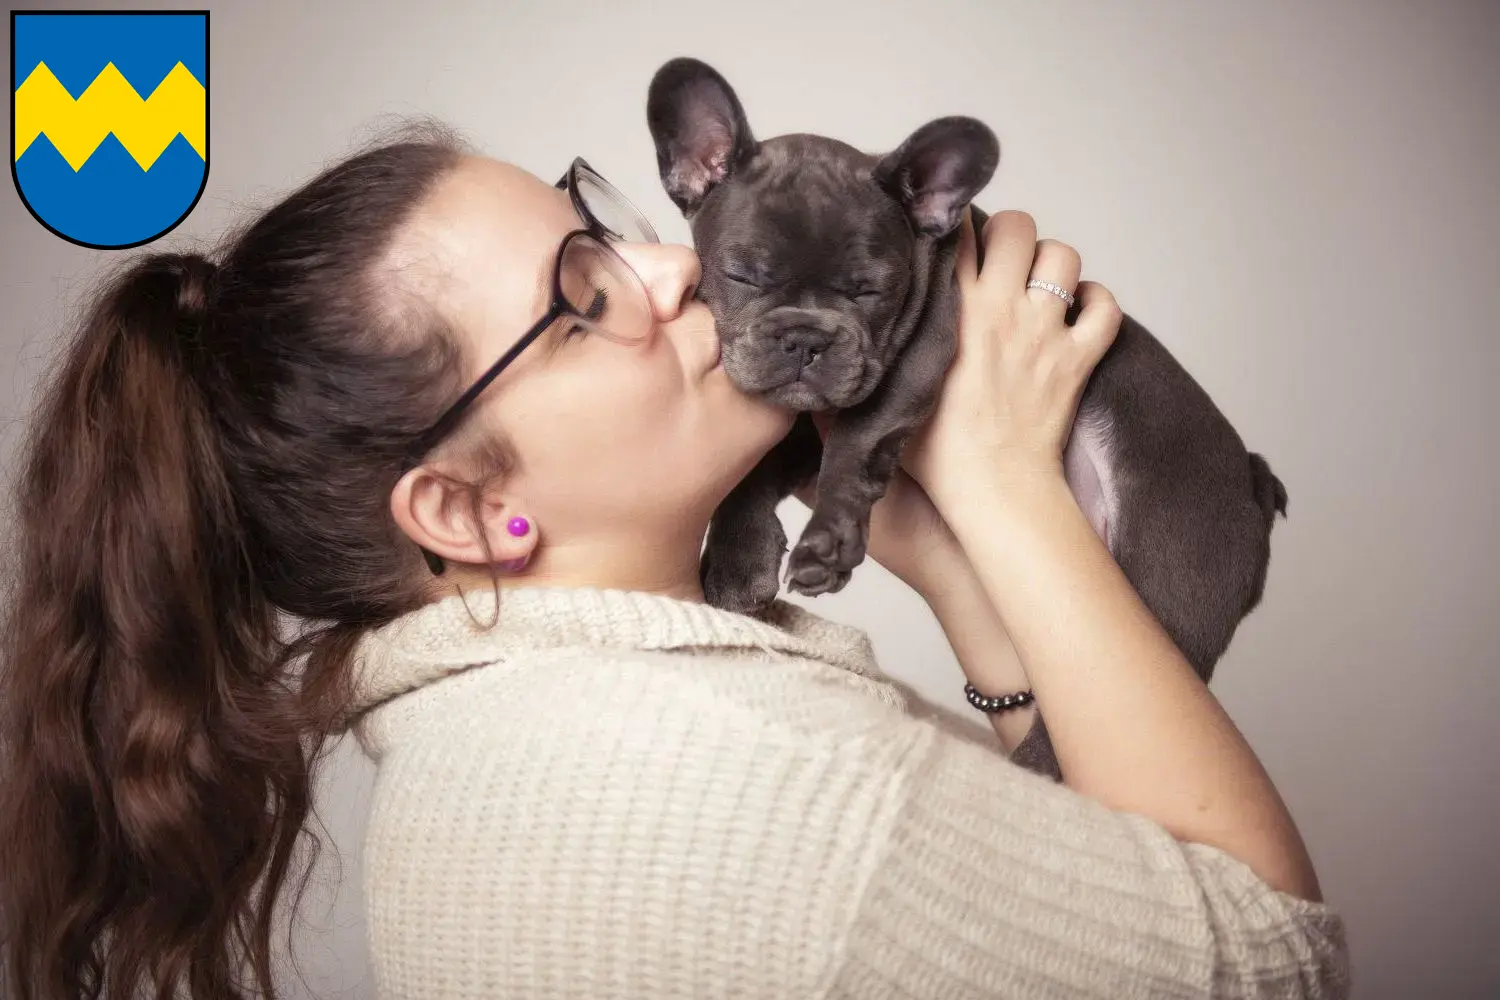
x=615, y=442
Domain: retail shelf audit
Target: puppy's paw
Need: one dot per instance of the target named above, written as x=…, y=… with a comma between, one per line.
x=743, y=578
x=826, y=554
x=747, y=593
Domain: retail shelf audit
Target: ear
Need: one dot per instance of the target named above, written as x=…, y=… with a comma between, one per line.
x=699, y=128
x=440, y=518
x=938, y=170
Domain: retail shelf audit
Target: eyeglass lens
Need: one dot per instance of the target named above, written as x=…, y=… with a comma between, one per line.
x=605, y=290
x=613, y=210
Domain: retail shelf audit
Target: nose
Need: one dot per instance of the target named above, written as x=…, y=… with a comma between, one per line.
x=670, y=273
x=803, y=343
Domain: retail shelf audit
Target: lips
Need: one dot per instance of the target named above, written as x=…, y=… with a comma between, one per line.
x=705, y=362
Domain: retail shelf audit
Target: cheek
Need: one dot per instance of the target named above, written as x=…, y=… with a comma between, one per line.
x=635, y=396
x=601, y=418
x=630, y=435
x=587, y=469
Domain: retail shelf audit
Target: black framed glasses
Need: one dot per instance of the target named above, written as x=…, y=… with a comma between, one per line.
x=594, y=289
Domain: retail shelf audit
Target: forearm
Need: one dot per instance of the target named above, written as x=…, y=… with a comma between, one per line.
x=979, y=641
x=1131, y=724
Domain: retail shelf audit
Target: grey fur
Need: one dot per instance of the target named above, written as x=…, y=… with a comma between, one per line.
x=830, y=275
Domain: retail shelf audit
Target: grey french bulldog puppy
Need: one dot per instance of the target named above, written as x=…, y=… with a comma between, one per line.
x=830, y=274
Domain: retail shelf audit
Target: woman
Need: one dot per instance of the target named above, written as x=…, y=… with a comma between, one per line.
x=468, y=428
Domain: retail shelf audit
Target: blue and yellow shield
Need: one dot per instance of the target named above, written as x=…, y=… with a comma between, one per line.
x=110, y=148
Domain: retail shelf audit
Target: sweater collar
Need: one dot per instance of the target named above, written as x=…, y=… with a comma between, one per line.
x=451, y=635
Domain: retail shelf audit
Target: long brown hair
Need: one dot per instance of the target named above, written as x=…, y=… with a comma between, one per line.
x=216, y=446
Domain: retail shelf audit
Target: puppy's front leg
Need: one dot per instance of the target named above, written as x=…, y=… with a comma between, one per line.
x=862, y=453
x=742, y=558
x=858, y=463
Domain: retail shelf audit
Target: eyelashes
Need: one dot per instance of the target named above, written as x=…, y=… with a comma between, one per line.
x=600, y=302
x=594, y=313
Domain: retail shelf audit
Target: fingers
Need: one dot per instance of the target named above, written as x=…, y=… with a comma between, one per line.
x=1013, y=254
x=1098, y=319
x=1058, y=264
x=1009, y=247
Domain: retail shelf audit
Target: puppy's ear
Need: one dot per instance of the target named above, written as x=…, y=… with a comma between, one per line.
x=699, y=127
x=938, y=170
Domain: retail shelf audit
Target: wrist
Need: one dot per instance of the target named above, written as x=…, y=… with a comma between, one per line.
x=937, y=570
x=955, y=591
x=1002, y=498
x=982, y=646
x=963, y=609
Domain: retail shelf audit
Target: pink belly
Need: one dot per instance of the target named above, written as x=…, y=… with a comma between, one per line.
x=1089, y=474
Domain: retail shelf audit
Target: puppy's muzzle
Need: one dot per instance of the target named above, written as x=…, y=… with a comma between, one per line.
x=801, y=345
x=792, y=339
x=808, y=359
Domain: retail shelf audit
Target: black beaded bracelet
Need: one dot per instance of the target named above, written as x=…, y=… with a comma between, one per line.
x=998, y=704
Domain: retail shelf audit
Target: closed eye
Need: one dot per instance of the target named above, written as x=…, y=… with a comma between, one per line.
x=741, y=278
x=593, y=313
x=597, y=305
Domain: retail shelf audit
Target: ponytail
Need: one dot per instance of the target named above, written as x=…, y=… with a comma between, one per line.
x=157, y=756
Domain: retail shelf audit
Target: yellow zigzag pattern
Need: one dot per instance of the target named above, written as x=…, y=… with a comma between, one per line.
x=110, y=104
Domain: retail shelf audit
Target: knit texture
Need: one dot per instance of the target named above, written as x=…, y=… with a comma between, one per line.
x=619, y=795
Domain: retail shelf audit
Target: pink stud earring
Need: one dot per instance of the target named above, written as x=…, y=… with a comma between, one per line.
x=519, y=527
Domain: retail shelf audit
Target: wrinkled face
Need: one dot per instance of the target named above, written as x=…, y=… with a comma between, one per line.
x=806, y=265
x=813, y=252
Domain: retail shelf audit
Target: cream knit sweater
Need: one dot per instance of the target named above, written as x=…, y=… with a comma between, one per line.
x=618, y=795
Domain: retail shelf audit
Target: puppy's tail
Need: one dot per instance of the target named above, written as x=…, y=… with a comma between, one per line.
x=1270, y=494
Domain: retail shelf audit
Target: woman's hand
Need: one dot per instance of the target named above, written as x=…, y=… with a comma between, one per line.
x=1009, y=398
x=1012, y=392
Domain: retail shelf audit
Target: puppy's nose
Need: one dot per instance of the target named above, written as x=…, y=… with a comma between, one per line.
x=804, y=343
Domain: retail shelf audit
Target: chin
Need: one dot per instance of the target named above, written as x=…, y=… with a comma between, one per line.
x=737, y=429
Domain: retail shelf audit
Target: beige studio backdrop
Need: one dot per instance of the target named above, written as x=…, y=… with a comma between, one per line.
x=1300, y=199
